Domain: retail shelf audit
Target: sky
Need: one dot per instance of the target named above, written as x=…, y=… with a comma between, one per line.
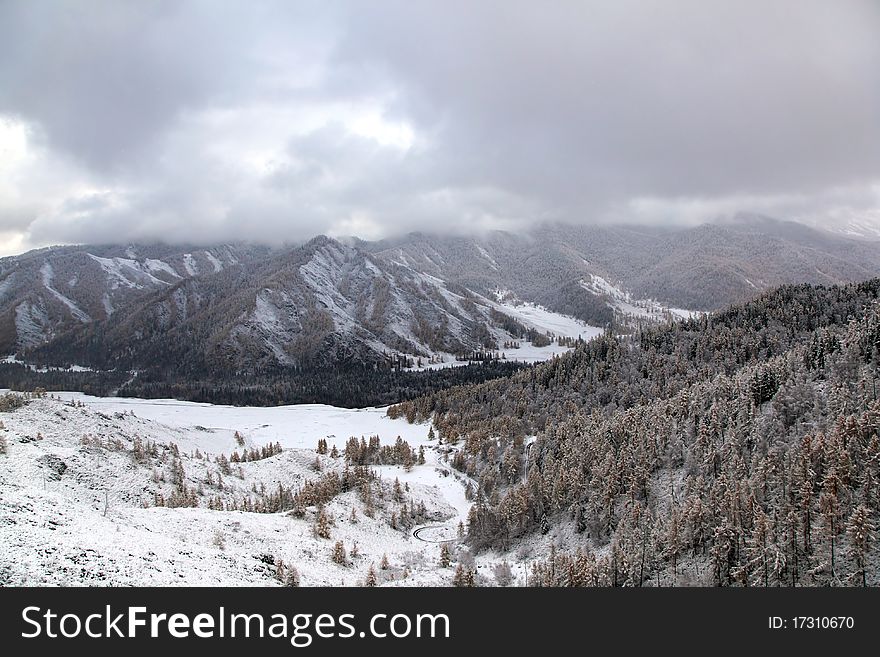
x=202, y=122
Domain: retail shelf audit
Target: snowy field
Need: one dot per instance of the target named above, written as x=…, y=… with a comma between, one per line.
x=628, y=306
x=295, y=426
x=75, y=511
x=212, y=428
x=73, y=368
x=531, y=316
x=547, y=321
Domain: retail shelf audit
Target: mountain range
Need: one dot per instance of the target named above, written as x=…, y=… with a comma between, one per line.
x=243, y=307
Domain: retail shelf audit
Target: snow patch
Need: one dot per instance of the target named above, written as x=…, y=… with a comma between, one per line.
x=160, y=265
x=31, y=324
x=267, y=318
x=547, y=321
x=12, y=358
x=214, y=261
x=95, y=524
x=48, y=274
x=131, y=273
x=488, y=257
x=189, y=264
x=624, y=303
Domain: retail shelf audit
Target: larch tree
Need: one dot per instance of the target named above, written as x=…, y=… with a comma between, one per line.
x=860, y=531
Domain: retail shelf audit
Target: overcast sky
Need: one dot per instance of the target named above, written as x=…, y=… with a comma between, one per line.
x=211, y=121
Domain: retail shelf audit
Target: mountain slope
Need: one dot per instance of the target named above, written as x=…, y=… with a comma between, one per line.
x=700, y=268
x=311, y=306
x=738, y=448
x=255, y=311
x=46, y=292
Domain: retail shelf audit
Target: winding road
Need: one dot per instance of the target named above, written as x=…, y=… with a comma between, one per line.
x=436, y=533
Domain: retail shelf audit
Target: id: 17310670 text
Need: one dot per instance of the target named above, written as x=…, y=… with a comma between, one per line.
x=811, y=623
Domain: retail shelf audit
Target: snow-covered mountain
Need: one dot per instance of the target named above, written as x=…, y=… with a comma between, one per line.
x=703, y=267
x=862, y=226
x=47, y=292
x=235, y=308
x=316, y=305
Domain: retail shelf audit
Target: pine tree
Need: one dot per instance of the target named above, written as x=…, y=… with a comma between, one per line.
x=292, y=579
x=458, y=579
x=723, y=552
x=503, y=574
x=860, y=531
x=829, y=507
x=763, y=558
x=280, y=571
x=445, y=557
x=339, y=554
x=464, y=577
x=322, y=524
x=790, y=523
x=673, y=541
x=384, y=563
x=371, y=577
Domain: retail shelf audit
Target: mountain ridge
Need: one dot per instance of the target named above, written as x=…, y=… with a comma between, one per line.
x=327, y=301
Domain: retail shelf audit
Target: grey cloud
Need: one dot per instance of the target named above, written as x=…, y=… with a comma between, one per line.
x=633, y=98
x=105, y=79
x=177, y=113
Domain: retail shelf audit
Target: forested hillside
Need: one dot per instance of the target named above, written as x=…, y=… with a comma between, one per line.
x=739, y=448
x=705, y=267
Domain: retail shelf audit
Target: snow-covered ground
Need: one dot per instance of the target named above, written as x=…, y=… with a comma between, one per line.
x=531, y=316
x=628, y=306
x=526, y=353
x=12, y=358
x=81, y=511
x=547, y=321
x=296, y=426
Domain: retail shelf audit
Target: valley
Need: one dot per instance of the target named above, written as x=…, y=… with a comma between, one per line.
x=486, y=411
x=93, y=520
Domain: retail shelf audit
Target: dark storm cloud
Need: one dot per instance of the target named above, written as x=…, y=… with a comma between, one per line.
x=210, y=121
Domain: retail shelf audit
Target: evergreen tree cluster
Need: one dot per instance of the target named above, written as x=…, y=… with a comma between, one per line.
x=312, y=493
x=253, y=454
x=361, y=452
x=744, y=442
x=347, y=386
